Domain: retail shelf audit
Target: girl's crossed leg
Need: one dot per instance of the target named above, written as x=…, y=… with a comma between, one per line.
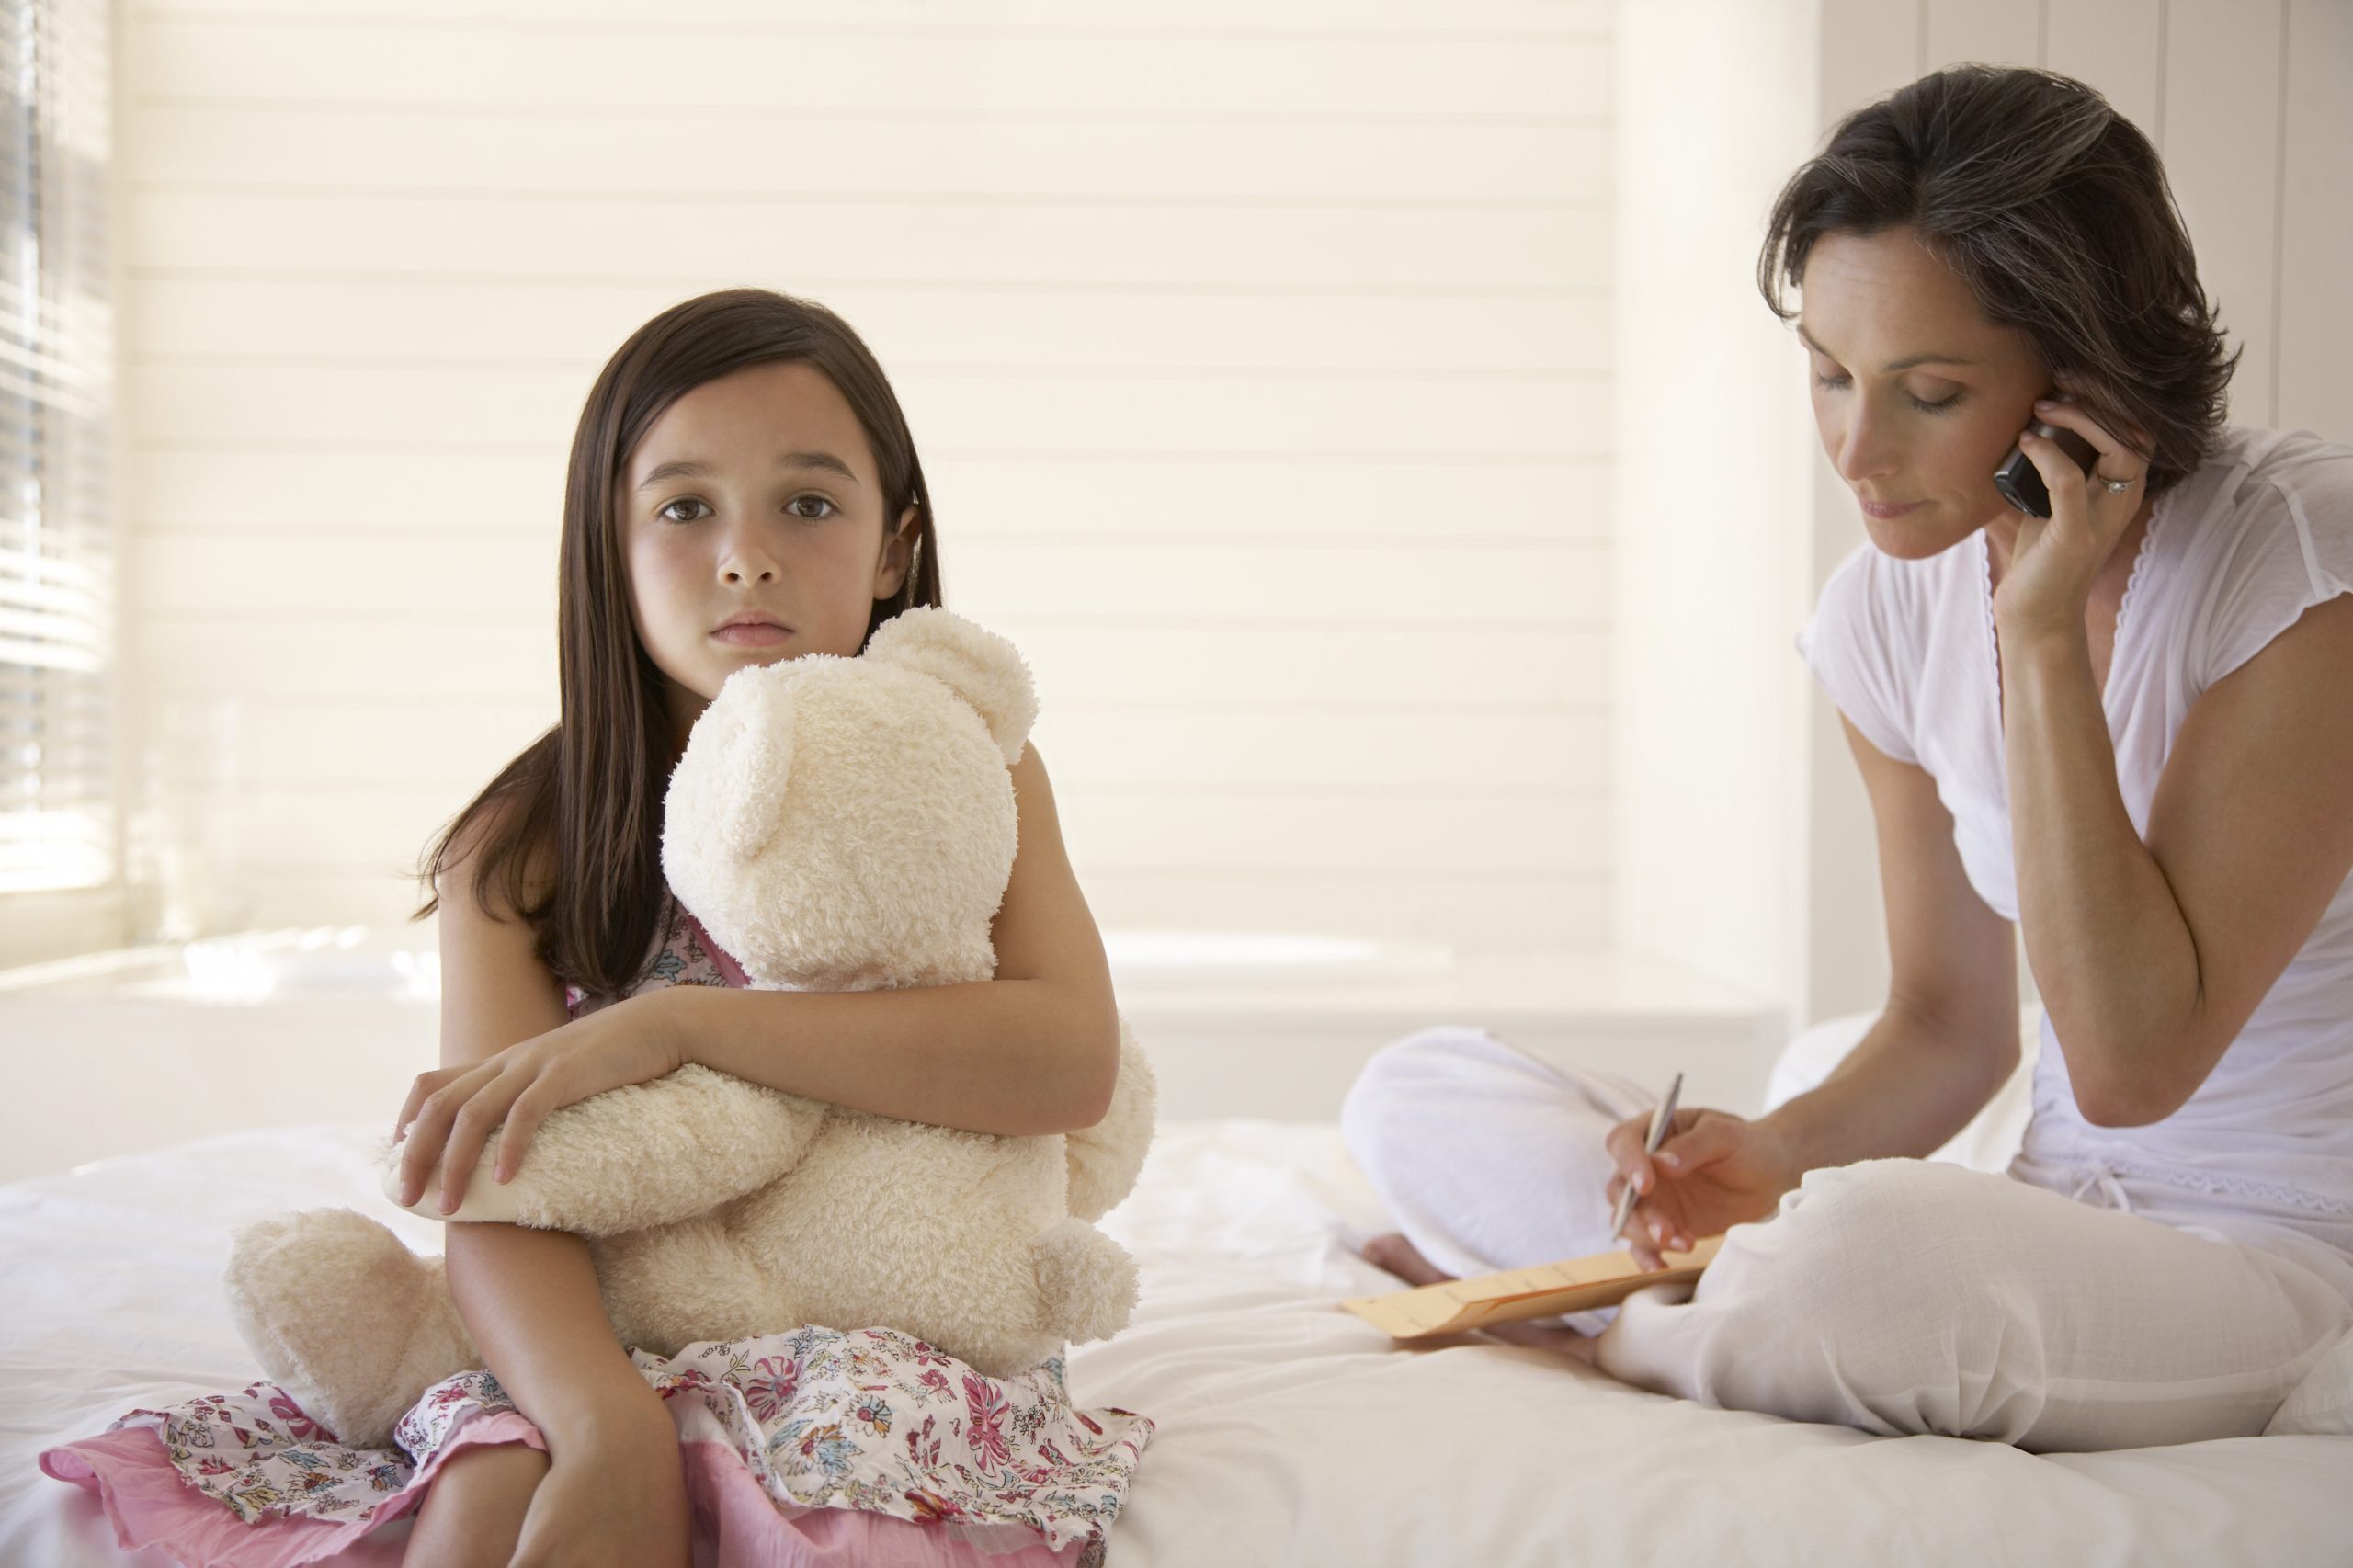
x=473, y=1517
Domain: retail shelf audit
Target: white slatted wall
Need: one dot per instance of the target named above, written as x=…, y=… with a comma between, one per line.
x=2250, y=103
x=1258, y=354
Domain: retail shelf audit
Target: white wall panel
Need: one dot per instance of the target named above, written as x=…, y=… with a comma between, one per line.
x=2313, y=356
x=2115, y=45
x=1865, y=47
x=1102, y=662
x=434, y=320
x=1260, y=357
x=2222, y=72
x=1496, y=832
x=1270, y=498
x=1711, y=498
x=1106, y=73
x=1995, y=33
x=801, y=243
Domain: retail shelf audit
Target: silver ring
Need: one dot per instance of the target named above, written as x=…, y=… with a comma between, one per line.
x=2117, y=486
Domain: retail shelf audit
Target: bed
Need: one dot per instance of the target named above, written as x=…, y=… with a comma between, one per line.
x=1289, y=1432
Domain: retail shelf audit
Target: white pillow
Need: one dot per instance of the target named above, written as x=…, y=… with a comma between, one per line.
x=1992, y=1136
x=2322, y=1405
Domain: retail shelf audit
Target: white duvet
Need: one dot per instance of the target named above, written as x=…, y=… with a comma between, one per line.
x=1289, y=1432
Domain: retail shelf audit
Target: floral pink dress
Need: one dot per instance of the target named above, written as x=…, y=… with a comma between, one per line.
x=816, y=1446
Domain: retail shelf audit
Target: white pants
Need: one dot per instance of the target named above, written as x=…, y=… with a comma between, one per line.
x=1897, y=1296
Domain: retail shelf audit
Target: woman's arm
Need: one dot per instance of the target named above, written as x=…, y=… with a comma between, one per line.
x=1946, y=1041
x=1948, y=1035
x=2150, y=955
x=2153, y=954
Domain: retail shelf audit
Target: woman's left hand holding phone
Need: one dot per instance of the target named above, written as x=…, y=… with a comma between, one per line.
x=452, y=1111
x=2048, y=582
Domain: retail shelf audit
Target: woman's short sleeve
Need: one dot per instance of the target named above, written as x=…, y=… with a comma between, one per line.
x=2288, y=546
x=1855, y=644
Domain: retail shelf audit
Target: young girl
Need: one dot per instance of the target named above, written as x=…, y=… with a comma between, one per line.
x=742, y=489
x=2122, y=727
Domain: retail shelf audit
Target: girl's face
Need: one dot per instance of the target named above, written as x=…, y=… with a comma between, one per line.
x=753, y=496
x=1918, y=396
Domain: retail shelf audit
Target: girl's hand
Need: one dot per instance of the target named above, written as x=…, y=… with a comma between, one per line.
x=454, y=1109
x=614, y=1496
x=2049, y=580
x=1713, y=1171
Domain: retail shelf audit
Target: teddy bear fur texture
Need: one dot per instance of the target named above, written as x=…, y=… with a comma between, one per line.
x=836, y=824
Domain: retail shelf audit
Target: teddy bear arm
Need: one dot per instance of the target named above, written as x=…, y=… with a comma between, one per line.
x=1105, y=1158
x=647, y=1154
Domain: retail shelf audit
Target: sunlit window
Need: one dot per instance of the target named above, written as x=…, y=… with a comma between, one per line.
x=57, y=577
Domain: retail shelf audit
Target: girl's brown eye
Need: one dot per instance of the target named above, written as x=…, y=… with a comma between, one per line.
x=795, y=505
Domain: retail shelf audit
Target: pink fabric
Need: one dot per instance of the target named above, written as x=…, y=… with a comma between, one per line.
x=728, y=968
x=151, y=1505
x=737, y=1524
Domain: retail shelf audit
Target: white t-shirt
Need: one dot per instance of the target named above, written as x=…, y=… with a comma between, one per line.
x=2261, y=532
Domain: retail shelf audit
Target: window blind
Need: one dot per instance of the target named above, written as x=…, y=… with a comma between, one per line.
x=57, y=576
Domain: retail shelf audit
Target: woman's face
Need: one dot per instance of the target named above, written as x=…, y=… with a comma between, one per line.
x=755, y=495
x=1918, y=396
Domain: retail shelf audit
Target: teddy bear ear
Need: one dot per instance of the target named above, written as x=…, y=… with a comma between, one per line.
x=976, y=664
x=739, y=759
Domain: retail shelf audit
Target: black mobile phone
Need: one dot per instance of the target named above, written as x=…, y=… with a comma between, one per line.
x=2020, y=481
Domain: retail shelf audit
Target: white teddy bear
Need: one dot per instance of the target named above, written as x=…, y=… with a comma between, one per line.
x=836, y=824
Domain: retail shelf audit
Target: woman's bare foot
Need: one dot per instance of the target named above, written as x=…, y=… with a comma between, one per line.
x=1403, y=1258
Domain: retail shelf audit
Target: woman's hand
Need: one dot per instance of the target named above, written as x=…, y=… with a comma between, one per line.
x=1713, y=1171
x=2048, y=582
x=455, y=1109
x=614, y=1496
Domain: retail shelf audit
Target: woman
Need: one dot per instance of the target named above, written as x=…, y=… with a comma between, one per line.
x=2127, y=728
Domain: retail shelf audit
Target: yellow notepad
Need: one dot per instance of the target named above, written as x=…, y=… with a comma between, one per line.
x=1547, y=1291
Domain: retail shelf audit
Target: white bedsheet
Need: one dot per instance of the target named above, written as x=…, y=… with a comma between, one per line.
x=1289, y=1432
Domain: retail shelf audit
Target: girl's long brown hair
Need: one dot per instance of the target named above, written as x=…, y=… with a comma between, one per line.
x=586, y=798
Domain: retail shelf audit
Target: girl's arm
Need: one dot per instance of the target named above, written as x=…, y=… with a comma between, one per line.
x=529, y=1298
x=1034, y=1050
x=2153, y=954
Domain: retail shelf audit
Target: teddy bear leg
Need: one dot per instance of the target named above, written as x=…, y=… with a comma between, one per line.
x=346, y=1319
x=677, y=1285
x=1086, y=1283
x=1105, y=1158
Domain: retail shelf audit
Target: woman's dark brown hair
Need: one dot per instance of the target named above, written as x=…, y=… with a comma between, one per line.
x=2055, y=211
x=585, y=800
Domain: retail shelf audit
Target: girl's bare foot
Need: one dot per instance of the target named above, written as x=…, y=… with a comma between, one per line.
x=1403, y=1258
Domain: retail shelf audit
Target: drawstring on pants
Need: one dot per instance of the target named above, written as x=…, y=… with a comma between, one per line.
x=2100, y=1176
